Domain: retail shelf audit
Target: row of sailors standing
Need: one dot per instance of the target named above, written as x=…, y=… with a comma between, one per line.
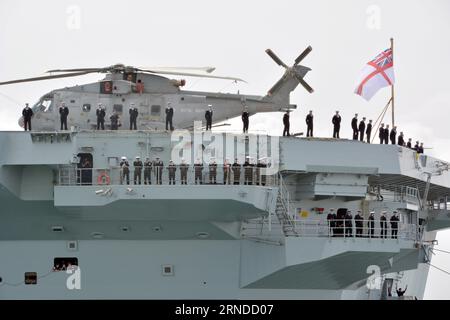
x=384, y=134
x=361, y=130
x=343, y=225
x=231, y=172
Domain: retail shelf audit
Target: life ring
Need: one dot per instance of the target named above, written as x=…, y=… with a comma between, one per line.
x=103, y=178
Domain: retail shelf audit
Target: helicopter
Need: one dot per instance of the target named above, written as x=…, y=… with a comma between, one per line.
x=125, y=87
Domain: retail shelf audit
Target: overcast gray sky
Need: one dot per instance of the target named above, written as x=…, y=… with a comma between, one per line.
x=232, y=35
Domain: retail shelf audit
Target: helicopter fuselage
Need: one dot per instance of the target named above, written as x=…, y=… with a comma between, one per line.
x=118, y=95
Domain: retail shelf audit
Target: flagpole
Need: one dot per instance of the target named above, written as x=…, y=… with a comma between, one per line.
x=392, y=86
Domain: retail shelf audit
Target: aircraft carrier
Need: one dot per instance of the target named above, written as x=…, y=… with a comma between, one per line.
x=73, y=232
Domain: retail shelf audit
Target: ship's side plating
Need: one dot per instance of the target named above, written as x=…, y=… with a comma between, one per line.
x=265, y=240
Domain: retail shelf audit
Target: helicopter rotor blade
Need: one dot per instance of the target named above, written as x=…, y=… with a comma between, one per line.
x=305, y=85
x=303, y=55
x=75, y=70
x=275, y=58
x=190, y=74
x=65, y=75
x=182, y=69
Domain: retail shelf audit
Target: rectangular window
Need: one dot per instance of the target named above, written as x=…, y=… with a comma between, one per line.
x=30, y=278
x=118, y=108
x=61, y=264
x=86, y=107
x=106, y=87
x=155, y=110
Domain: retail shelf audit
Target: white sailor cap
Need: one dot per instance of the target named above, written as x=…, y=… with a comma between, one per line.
x=137, y=157
x=372, y=212
x=124, y=158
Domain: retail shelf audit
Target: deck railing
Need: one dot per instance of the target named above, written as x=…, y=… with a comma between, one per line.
x=340, y=228
x=162, y=175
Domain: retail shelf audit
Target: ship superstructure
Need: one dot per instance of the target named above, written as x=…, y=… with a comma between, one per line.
x=225, y=240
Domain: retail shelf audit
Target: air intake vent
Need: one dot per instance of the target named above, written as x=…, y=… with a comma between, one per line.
x=57, y=228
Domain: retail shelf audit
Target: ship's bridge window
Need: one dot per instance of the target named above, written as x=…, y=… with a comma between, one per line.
x=61, y=264
x=155, y=110
x=118, y=108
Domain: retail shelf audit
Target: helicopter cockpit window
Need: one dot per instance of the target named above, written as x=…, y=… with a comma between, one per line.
x=45, y=105
x=86, y=107
x=155, y=110
x=118, y=108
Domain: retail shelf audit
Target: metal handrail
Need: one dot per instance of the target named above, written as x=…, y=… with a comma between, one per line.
x=321, y=228
x=114, y=175
x=284, y=193
x=397, y=193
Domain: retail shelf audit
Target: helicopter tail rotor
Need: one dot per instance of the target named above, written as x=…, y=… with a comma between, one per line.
x=303, y=55
x=297, y=71
x=276, y=59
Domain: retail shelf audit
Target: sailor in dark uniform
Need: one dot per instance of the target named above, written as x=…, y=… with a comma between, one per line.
x=381, y=133
x=383, y=224
x=286, y=124
x=158, y=166
x=169, y=117
x=137, y=164
x=184, y=167
x=212, y=171
x=133, y=117
x=236, y=168
x=226, y=172
x=369, y=131
x=401, y=140
x=420, y=148
x=331, y=219
x=359, y=224
x=371, y=224
x=309, y=124
x=147, y=171
x=394, y=225
x=101, y=114
x=208, y=117
x=362, y=129
x=114, y=121
x=124, y=170
x=198, y=168
x=172, y=168
x=348, y=224
x=336, y=125
x=386, y=134
x=355, y=127
x=63, y=113
x=27, y=113
x=393, y=135
x=245, y=116
x=248, y=172
x=409, y=143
